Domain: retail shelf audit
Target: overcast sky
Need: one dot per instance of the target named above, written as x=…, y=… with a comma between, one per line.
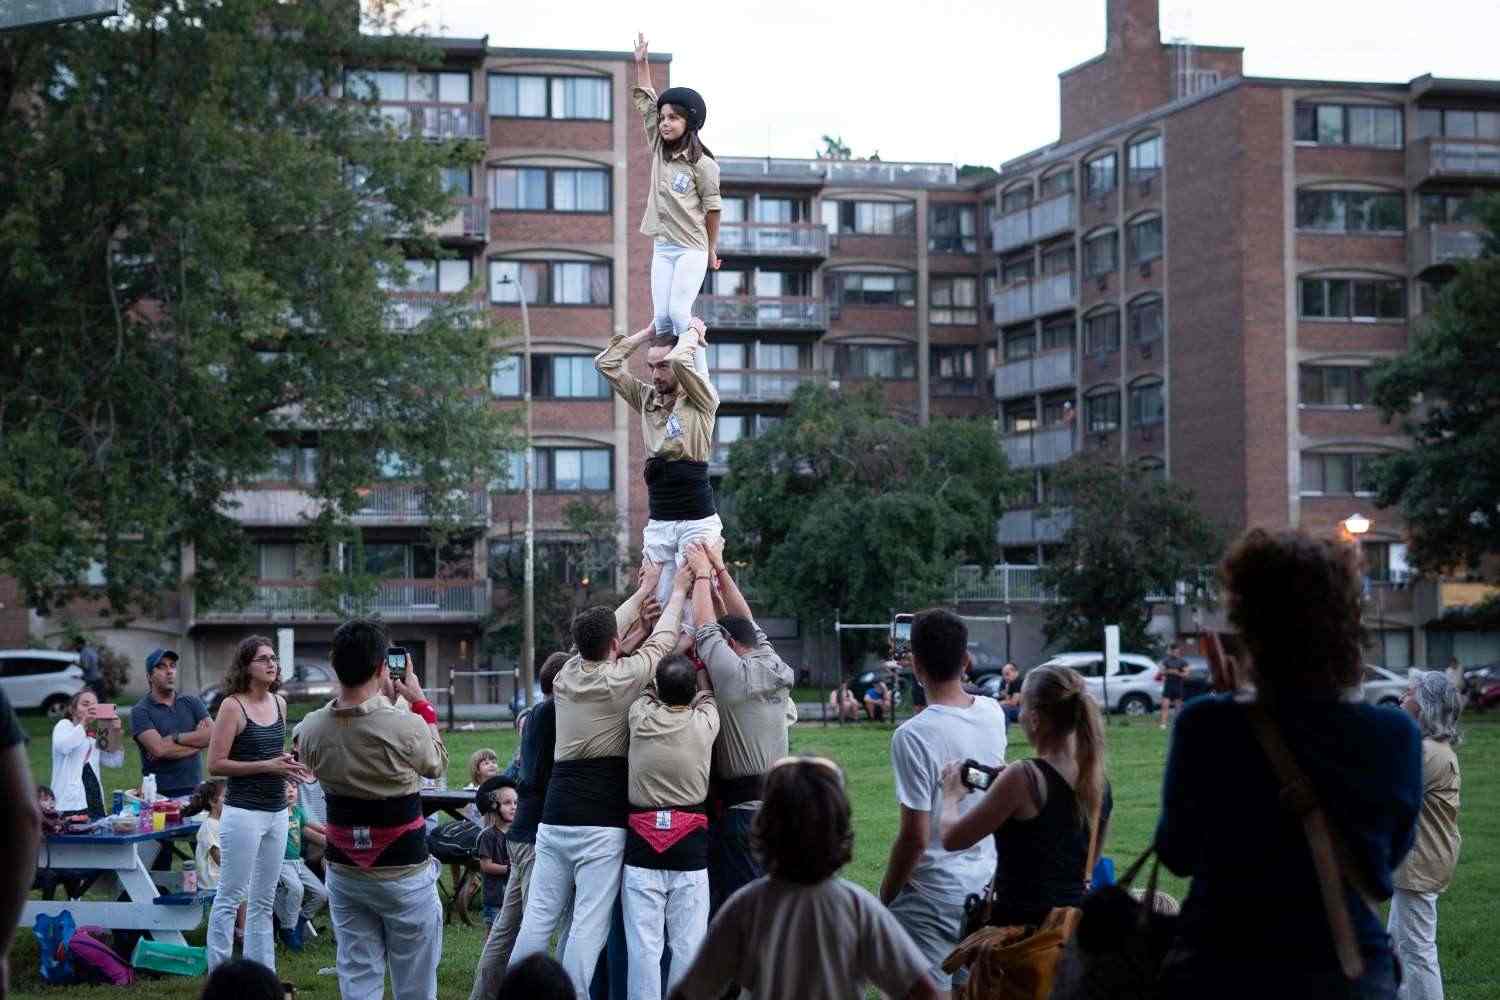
x=967, y=81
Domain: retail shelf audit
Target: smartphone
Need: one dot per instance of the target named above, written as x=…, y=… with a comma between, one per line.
x=978, y=776
x=106, y=712
x=395, y=659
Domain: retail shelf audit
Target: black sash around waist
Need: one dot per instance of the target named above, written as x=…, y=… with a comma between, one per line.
x=679, y=490
x=690, y=854
x=593, y=791
x=728, y=792
x=376, y=833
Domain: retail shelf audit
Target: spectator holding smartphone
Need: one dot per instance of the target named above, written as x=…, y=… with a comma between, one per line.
x=78, y=743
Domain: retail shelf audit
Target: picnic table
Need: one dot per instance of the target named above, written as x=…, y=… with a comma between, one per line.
x=125, y=863
x=450, y=801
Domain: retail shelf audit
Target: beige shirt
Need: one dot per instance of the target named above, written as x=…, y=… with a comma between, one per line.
x=593, y=698
x=673, y=427
x=374, y=750
x=779, y=939
x=681, y=194
x=670, y=747
x=1429, y=866
x=754, y=694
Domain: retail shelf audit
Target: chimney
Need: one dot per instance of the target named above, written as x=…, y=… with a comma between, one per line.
x=1133, y=24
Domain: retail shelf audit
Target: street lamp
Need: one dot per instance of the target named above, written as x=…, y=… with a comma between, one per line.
x=528, y=583
x=1357, y=525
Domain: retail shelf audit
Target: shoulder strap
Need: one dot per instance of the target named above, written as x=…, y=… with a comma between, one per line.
x=1333, y=864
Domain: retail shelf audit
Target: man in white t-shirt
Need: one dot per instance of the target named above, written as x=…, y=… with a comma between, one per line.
x=924, y=885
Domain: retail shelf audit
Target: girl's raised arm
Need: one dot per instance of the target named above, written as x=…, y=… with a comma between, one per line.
x=642, y=64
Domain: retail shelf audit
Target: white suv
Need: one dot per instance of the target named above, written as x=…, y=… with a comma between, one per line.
x=1132, y=688
x=40, y=678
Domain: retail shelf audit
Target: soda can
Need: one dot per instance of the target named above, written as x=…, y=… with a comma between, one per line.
x=119, y=801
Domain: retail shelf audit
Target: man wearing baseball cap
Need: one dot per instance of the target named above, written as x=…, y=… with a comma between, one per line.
x=171, y=729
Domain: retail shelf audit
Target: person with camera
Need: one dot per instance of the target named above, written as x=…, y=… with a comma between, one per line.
x=925, y=884
x=81, y=742
x=1289, y=812
x=370, y=757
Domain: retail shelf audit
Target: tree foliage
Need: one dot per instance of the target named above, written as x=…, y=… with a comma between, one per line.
x=197, y=223
x=1446, y=389
x=1131, y=537
x=842, y=508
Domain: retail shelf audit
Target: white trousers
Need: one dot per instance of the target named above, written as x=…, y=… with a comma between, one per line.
x=1413, y=929
x=251, y=845
x=666, y=542
x=653, y=900
x=676, y=275
x=582, y=863
x=299, y=893
x=379, y=924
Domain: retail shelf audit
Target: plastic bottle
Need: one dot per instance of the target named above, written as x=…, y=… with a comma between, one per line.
x=148, y=788
x=189, y=877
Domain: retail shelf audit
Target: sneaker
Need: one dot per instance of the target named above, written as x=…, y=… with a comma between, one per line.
x=328, y=970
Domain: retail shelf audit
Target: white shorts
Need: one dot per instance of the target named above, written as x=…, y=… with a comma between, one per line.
x=667, y=541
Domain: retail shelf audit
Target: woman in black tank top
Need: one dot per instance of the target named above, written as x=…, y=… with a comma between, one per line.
x=248, y=747
x=1040, y=811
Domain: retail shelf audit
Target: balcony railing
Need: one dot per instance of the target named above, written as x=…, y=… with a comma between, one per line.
x=1036, y=374
x=761, y=312
x=409, y=310
x=1032, y=527
x=774, y=239
x=436, y=120
x=1432, y=246
x=412, y=600
x=384, y=503
x=1002, y=583
x=817, y=172
x=1044, y=447
x=761, y=386
x=470, y=222
x=1431, y=159
x=1034, y=297
x=1034, y=222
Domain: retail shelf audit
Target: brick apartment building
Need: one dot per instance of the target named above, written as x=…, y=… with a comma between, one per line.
x=1195, y=277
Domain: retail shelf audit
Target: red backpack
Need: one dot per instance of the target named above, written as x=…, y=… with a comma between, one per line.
x=95, y=961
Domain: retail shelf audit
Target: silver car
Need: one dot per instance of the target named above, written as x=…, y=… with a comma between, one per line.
x=1132, y=689
x=1383, y=687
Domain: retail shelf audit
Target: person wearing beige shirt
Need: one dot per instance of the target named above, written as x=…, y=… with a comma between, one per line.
x=370, y=757
x=580, y=842
x=665, y=886
x=1434, y=702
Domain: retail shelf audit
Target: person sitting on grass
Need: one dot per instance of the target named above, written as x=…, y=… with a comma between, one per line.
x=843, y=703
x=496, y=801
x=826, y=937
x=877, y=702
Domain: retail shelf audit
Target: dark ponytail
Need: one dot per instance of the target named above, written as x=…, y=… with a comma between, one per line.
x=203, y=798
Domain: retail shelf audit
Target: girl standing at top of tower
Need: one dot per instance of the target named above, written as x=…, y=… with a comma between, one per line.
x=682, y=202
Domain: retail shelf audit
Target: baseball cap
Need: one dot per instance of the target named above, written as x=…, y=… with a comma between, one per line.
x=157, y=655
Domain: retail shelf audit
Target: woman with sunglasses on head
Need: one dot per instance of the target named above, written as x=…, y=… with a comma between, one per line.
x=248, y=747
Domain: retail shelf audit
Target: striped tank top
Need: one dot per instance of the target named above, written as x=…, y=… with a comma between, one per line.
x=261, y=792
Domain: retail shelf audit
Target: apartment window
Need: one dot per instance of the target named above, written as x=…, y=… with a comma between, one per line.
x=1332, y=385
x=1351, y=211
x=290, y=465
x=871, y=218
x=732, y=209
x=1144, y=159
x=1101, y=253
x=1020, y=344
x=1148, y=406
x=565, y=470
x=950, y=229
x=953, y=301
x=1014, y=199
x=1335, y=474
x=1145, y=240
x=567, y=376
x=1360, y=299
x=1058, y=259
x=1016, y=269
x=1438, y=209
x=1100, y=174
x=1349, y=125
x=548, y=189
x=426, y=275
x=856, y=288
x=458, y=182
x=290, y=561
x=557, y=283
x=1057, y=183
x=505, y=378
x=1102, y=410
x=1101, y=332
x=1019, y=417
x=991, y=287
x=953, y=371
x=779, y=210
x=875, y=361
x=1057, y=335
x=1146, y=320
x=782, y=357
x=1454, y=123
x=401, y=86
x=514, y=95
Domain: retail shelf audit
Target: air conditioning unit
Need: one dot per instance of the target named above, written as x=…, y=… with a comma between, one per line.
x=1146, y=269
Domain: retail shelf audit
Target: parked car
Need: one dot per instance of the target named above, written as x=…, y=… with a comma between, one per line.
x=40, y=678
x=1383, y=687
x=1133, y=689
x=309, y=682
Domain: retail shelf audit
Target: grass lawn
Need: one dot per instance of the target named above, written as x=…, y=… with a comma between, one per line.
x=1471, y=966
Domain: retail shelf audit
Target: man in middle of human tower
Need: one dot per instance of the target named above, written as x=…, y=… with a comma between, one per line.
x=677, y=409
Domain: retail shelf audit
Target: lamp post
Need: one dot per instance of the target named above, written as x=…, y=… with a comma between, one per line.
x=528, y=583
x=1356, y=526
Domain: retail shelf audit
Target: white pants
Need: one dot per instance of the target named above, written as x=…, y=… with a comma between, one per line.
x=379, y=923
x=251, y=846
x=666, y=542
x=654, y=899
x=676, y=275
x=582, y=862
x=1413, y=930
x=299, y=893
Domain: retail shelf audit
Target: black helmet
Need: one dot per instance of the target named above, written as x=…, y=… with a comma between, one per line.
x=689, y=101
